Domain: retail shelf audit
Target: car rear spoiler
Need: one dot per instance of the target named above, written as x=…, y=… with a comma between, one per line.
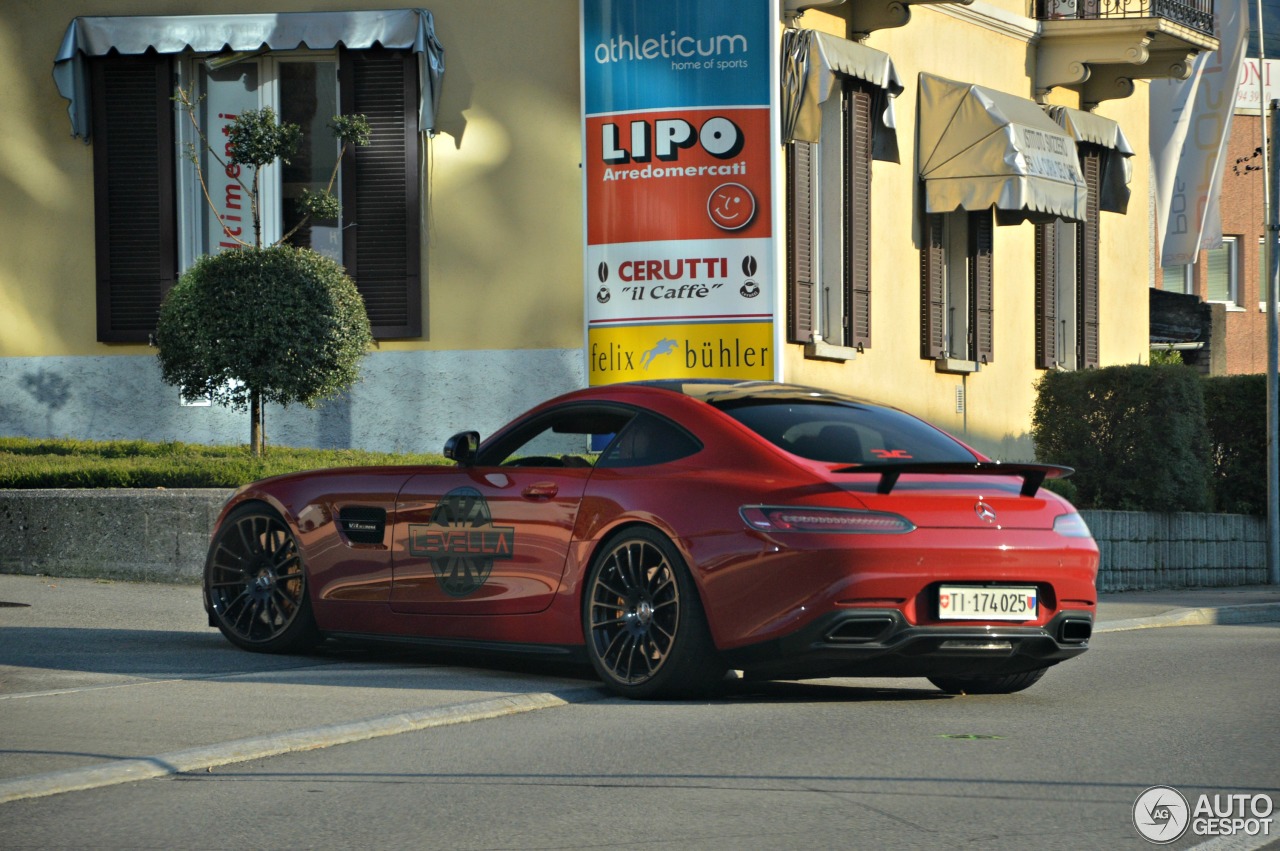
x=1032, y=475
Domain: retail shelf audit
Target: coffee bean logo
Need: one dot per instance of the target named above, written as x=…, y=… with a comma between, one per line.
x=749, y=266
x=603, y=272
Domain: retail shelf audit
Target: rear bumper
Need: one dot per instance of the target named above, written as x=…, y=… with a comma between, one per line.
x=882, y=643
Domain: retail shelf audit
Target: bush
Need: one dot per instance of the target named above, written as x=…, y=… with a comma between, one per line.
x=1236, y=409
x=284, y=322
x=28, y=463
x=1136, y=436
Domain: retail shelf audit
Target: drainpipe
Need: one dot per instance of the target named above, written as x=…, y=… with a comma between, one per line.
x=1273, y=359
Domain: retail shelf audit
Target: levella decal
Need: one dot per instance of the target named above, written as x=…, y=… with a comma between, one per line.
x=461, y=542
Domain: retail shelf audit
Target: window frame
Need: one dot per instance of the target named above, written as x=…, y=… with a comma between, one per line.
x=192, y=206
x=829, y=235
x=1185, y=271
x=137, y=246
x=1231, y=245
x=938, y=267
x=1067, y=279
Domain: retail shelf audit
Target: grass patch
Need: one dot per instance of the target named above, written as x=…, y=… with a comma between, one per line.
x=27, y=463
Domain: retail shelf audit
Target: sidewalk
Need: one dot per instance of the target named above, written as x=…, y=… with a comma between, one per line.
x=107, y=682
x=1187, y=606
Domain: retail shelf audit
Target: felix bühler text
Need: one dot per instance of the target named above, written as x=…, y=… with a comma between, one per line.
x=722, y=354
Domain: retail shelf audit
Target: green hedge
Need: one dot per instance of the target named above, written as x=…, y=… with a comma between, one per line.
x=1137, y=436
x=27, y=463
x=1236, y=407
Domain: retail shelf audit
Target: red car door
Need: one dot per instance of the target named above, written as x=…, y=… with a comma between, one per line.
x=483, y=540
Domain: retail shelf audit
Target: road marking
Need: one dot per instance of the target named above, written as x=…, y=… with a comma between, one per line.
x=244, y=750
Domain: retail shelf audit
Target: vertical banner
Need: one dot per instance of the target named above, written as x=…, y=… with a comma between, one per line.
x=679, y=166
x=1190, y=125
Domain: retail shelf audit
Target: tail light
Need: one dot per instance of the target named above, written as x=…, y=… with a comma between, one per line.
x=803, y=518
x=1071, y=526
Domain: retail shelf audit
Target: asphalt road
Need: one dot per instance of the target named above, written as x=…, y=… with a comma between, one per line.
x=549, y=762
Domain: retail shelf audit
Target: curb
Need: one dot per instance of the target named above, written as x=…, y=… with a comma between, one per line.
x=1241, y=614
x=244, y=750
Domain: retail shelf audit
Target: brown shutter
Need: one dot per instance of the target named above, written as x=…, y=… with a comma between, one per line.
x=933, y=259
x=1046, y=295
x=133, y=192
x=857, y=214
x=380, y=190
x=801, y=213
x=981, y=279
x=1087, y=288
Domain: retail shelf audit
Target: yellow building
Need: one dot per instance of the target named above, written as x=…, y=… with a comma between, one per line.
x=469, y=250
x=975, y=374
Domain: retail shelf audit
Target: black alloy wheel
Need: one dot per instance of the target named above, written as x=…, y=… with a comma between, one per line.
x=256, y=584
x=644, y=625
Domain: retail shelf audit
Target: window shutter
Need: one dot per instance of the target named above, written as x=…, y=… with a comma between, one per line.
x=857, y=214
x=933, y=259
x=801, y=214
x=982, y=318
x=1046, y=295
x=381, y=190
x=1087, y=291
x=133, y=191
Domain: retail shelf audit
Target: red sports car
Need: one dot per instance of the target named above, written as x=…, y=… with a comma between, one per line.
x=672, y=531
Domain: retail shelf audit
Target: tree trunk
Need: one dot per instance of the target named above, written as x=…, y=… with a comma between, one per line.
x=255, y=426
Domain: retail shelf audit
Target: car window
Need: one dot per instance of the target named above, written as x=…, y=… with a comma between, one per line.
x=845, y=433
x=648, y=440
x=568, y=437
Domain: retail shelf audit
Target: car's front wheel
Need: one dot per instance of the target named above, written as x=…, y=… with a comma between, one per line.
x=1006, y=684
x=646, y=632
x=256, y=584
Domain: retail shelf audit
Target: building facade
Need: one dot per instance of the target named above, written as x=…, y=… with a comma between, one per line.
x=961, y=207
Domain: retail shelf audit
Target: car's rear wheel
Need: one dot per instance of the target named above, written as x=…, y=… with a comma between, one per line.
x=646, y=632
x=256, y=583
x=1006, y=684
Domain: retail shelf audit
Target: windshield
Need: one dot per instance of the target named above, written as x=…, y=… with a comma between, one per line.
x=843, y=433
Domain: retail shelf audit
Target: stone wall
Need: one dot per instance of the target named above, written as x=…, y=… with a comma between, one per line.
x=1143, y=551
x=140, y=535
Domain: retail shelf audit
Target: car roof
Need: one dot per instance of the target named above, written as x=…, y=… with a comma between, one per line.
x=720, y=390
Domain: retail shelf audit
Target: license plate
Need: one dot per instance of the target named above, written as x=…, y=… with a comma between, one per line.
x=984, y=603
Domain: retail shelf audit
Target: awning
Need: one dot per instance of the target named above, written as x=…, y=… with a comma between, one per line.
x=1117, y=171
x=980, y=148
x=398, y=29
x=811, y=61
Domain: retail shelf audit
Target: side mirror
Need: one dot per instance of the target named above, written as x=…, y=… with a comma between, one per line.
x=462, y=447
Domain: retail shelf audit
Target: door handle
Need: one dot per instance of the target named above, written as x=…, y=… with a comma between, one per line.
x=541, y=490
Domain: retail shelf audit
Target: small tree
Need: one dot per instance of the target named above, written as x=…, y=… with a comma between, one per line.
x=262, y=323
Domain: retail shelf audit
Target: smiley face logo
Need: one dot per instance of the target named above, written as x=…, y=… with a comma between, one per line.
x=731, y=206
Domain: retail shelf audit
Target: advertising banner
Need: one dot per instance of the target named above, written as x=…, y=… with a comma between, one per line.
x=1259, y=84
x=679, y=173
x=1190, y=125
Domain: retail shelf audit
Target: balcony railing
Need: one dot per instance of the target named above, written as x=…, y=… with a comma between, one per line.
x=1196, y=14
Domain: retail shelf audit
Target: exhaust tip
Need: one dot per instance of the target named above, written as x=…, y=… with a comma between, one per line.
x=860, y=629
x=1075, y=631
